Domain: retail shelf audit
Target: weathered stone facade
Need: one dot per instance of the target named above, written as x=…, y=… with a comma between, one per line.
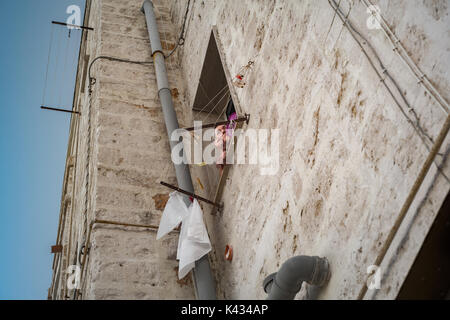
x=122, y=143
x=348, y=156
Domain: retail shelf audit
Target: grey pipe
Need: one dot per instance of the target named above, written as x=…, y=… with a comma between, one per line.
x=203, y=279
x=287, y=282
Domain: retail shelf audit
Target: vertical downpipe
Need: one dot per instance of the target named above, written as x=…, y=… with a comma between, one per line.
x=203, y=279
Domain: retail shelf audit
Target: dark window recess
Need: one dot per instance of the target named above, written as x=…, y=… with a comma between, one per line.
x=212, y=92
x=213, y=103
x=429, y=277
x=230, y=109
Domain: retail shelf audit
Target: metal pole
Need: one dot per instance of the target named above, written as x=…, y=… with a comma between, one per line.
x=412, y=194
x=72, y=25
x=57, y=109
x=193, y=195
x=203, y=278
x=215, y=124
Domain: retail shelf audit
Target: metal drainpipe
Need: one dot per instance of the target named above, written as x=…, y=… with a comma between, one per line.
x=287, y=282
x=203, y=279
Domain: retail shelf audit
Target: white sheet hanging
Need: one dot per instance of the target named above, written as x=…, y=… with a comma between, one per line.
x=194, y=241
x=174, y=212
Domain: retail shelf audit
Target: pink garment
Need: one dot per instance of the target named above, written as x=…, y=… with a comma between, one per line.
x=223, y=134
x=231, y=126
x=220, y=143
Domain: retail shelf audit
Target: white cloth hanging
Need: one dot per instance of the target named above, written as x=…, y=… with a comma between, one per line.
x=194, y=241
x=174, y=212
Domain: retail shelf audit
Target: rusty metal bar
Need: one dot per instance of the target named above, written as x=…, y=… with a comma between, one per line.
x=215, y=124
x=56, y=248
x=193, y=195
x=72, y=25
x=62, y=110
x=127, y=224
x=412, y=194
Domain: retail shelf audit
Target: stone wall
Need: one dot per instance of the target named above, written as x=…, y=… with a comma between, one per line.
x=348, y=156
x=123, y=154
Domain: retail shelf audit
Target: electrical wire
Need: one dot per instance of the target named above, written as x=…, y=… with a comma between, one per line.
x=353, y=31
x=181, y=38
x=422, y=79
x=169, y=62
x=346, y=17
x=58, y=47
x=332, y=21
x=416, y=126
x=432, y=153
x=48, y=63
x=63, y=75
x=93, y=80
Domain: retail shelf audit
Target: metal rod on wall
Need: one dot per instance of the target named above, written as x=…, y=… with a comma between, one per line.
x=215, y=124
x=193, y=195
x=62, y=110
x=77, y=292
x=72, y=25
